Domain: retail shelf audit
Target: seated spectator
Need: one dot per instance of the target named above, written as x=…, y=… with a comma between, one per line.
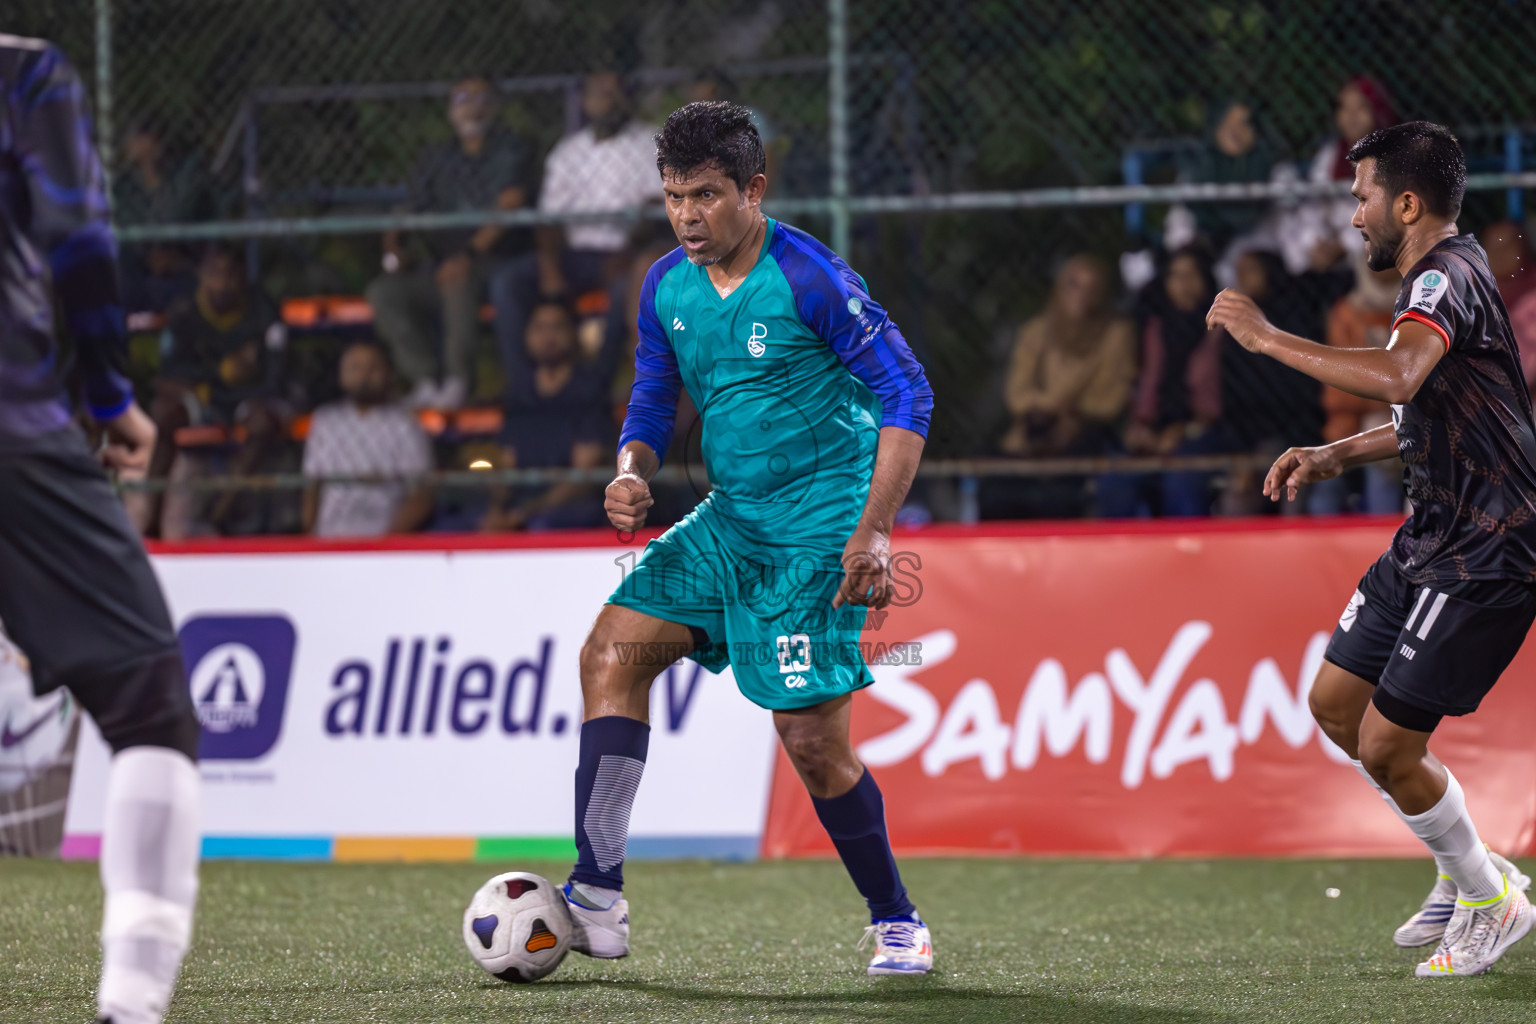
x=1234, y=152
x=1266, y=407
x=486, y=167
x=222, y=360
x=1177, y=398
x=154, y=188
x=366, y=434
x=1361, y=319
x=608, y=165
x=1510, y=259
x=1070, y=374
x=1316, y=234
x=561, y=422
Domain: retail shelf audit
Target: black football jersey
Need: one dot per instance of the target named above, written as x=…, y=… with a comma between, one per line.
x=1467, y=437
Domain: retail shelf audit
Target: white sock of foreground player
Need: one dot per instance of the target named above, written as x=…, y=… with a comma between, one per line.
x=1359, y=767
x=1447, y=830
x=149, y=851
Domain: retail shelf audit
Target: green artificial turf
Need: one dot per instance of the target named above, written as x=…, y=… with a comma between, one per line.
x=1017, y=940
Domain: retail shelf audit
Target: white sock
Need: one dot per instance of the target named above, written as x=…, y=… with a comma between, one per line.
x=149, y=852
x=1440, y=867
x=1447, y=830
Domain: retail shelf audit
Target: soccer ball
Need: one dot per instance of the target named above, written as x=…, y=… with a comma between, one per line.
x=517, y=927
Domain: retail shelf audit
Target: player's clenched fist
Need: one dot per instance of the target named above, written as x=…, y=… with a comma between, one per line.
x=866, y=570
x=626, y=500
x=1301, y=466
x=1241, y=318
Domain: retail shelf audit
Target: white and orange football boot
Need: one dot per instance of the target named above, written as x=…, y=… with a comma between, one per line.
x=902, y=946
x=1479, y=933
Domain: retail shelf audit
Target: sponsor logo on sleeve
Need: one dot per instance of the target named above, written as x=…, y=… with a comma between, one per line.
x=1428, y=290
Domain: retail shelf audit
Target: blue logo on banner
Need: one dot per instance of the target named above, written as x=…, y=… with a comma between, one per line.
x=238, y=668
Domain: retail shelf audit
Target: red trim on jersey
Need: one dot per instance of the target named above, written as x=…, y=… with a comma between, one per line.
x=1421, y=318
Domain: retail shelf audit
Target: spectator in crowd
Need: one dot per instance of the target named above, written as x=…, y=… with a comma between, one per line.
x=486, y=167
x=154, y=188
x=1177, y=399
x=366, y=434
x=1361, y=319
x=222, y=360
x=1510, y=259
x=1067, y=384
x=1234, y=152
x=561, y=422
x=608, y=165
x=1266, y=407
x=1070, y=374
x=1316, y=234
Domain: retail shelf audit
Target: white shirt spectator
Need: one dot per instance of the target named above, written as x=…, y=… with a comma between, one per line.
x=585, y=174
x=347, y=440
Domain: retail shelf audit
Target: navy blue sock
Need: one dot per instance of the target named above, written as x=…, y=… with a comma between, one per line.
x=607, y=776
x=856, y=823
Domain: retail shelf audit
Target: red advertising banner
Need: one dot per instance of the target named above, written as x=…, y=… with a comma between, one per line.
x=1139, y=693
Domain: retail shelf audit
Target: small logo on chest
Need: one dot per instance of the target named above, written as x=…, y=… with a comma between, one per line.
x=677, y=325
x=755, y=343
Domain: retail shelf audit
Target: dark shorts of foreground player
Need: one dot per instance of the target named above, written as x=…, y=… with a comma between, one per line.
x=1434, y=650
x=771, y=621
x=80, y=598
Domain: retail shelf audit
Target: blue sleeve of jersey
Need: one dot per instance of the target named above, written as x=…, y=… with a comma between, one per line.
x=653, y=400
x=69, y=219
x=832, y=300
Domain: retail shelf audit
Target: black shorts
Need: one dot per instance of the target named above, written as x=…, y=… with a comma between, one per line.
x=1431, y=650
x=77, y=592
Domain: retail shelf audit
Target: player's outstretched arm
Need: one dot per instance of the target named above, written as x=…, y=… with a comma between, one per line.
x=1300, y=466
x=1392, y=374
x=629, y=496
x=867, y=555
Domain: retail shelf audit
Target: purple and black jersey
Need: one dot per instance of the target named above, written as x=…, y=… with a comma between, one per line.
x=55, y=240
x=1467, y=437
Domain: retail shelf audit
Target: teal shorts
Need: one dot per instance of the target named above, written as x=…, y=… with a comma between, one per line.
x=773, y=623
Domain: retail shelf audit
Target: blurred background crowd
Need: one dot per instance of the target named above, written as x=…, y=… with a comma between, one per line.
x=317, y=360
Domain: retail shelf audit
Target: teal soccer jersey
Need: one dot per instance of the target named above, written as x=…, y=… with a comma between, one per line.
x=793, y=373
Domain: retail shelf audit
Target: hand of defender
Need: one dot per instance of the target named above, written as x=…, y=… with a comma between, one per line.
x=866, y=570
x=1301, y=466
x=1241, y=318
x=626, y=500
x=130, y=441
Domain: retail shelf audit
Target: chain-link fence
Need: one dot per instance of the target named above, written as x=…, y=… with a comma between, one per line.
x=959, y=154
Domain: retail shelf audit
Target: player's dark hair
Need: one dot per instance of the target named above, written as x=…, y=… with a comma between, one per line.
x=711, y=132
x=1419, y=157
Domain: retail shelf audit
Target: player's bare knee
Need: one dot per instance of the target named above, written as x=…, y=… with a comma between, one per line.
x=819, y=759
x=599, y=664
x=1385, y=759
x=1339, y=723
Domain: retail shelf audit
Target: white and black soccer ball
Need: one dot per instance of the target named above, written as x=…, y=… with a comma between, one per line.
x=518, y=927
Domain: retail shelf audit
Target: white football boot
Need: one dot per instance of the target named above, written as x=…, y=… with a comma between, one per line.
x=1478, y=934
x=902, y=946
x=1427, y=925
x=603, y=934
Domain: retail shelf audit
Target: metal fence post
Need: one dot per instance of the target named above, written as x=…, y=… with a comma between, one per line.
x=104, y=92
x=837, y=121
